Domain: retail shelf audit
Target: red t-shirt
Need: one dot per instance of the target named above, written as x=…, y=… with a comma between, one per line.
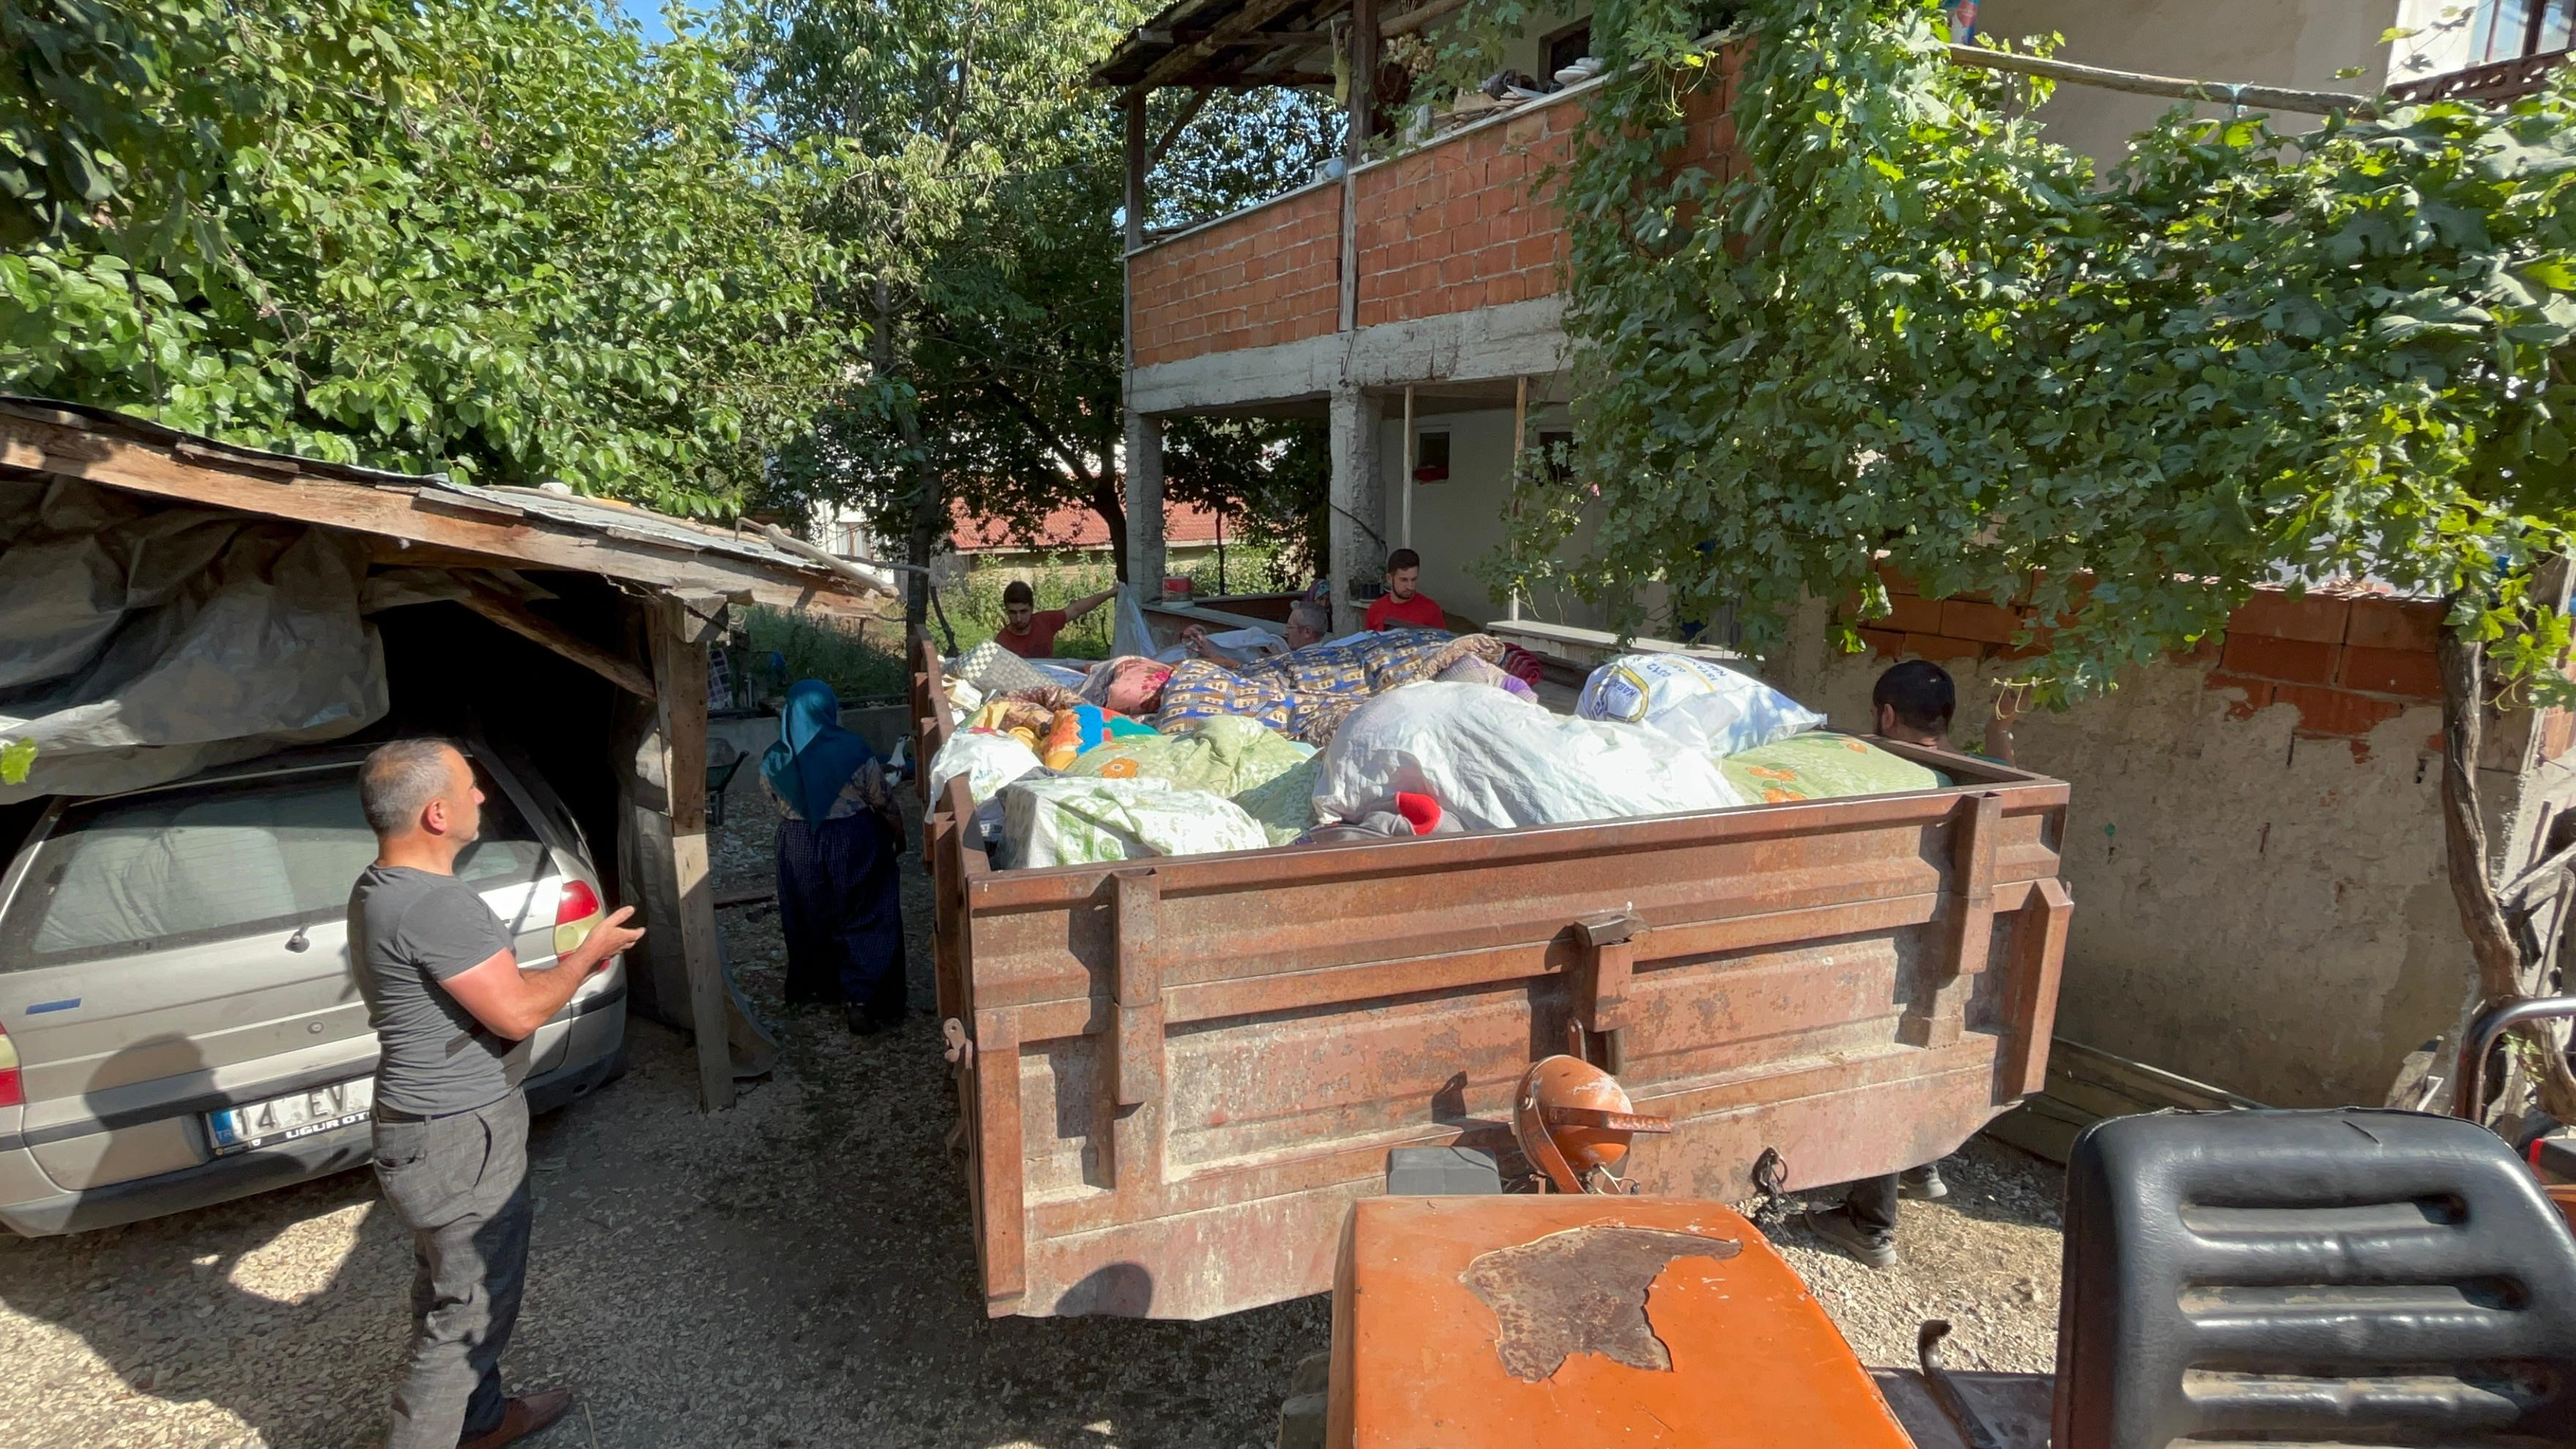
x=1039, y=642
x=1418, y=612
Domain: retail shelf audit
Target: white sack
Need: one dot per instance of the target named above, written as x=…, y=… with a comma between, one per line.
x=1495, y=761
x=1079, y=820
x=988, y=760
x=1713, y=709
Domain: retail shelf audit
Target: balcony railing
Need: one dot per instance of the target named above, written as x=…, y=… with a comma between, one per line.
x=2500, y=80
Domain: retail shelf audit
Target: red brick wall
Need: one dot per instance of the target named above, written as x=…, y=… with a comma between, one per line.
x=1472, y=221
x=1255, y=279
x=1466, y=222
x=2347, y=660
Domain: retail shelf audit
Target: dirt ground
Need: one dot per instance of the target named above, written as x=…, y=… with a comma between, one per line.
x=796, y=1272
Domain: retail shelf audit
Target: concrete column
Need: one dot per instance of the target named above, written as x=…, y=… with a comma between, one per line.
x=1145, y=503
x=1358, y=502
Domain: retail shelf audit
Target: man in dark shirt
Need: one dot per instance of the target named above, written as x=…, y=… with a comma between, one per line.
x=452, y=1013
x=1912, y=703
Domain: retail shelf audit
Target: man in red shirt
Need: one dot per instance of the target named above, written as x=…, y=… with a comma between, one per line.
x=1400, y=605
x=1030, y=633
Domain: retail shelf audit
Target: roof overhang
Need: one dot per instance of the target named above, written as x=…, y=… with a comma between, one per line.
x=413, y=519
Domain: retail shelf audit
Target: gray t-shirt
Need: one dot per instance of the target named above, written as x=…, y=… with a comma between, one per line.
x=409, y=930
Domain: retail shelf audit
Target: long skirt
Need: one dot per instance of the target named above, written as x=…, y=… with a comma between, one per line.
x=842, y=911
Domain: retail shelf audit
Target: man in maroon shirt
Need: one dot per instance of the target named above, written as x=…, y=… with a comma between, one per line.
x=1029, y=632
x=1400, y=606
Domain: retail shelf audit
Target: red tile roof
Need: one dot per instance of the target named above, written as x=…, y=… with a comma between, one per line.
x=1072, y=528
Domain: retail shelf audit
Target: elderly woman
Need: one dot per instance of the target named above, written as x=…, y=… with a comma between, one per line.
x=1302, y=695
x=838, y=899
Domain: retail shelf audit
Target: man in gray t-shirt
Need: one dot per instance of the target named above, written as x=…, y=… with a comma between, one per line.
x=453, y=1013
x=410, y=930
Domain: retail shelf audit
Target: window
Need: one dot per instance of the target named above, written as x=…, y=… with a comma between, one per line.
x=2511, y=29
x=1556, y=455
x=177, y=867
x=1568, y=46
x=1431, y=456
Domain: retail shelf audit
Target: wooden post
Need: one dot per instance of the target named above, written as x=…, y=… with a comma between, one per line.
x=681, y=628
x=1360, y=119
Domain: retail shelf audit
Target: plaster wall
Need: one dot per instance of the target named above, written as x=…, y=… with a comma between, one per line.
x=2299, y=43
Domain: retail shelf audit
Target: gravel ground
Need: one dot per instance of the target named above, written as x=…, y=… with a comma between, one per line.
x=797, y=1272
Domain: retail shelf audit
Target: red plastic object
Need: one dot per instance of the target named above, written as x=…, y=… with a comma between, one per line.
x=578, y=903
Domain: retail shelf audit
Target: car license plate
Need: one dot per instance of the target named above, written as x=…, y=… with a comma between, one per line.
x=307, y=1113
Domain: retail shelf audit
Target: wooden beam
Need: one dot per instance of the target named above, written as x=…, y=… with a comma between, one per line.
x=1250, y=37
x=1363, y=97
x=410, y=517
x=1414, y=19
x=1245, y=21
x=2222, y=93
x=516, y=617
x=680, y=669
x=1189, y=112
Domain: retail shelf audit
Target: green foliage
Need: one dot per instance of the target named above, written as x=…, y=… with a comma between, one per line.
x=1911, y=326
x=497, y=237
x=959, y=145
x=863, y=665
x=16, y=758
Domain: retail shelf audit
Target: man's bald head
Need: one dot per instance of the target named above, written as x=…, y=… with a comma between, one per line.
x=423, y=786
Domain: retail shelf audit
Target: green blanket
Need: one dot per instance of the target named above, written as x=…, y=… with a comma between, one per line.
x=1822, y=765
x=1269, y=776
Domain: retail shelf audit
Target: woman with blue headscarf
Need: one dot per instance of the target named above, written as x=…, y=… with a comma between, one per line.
x=838, y=900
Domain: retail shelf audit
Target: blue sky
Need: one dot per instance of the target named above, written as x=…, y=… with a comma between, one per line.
x=648, y=13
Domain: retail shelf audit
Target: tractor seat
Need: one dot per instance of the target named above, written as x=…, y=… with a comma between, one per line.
x=2353, y=1277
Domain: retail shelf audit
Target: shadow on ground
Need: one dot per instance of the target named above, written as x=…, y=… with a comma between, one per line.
x=796, y=1272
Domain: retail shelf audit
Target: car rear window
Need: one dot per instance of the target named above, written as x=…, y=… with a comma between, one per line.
x=177, y=867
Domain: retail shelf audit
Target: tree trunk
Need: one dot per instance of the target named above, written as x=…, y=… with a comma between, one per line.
x=928, y=506
x=1112, y=508
x=2492, y=945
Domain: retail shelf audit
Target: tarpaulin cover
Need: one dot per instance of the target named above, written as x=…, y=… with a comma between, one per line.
x=141, y=644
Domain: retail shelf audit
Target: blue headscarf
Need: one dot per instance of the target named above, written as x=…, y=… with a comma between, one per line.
x=814, y=756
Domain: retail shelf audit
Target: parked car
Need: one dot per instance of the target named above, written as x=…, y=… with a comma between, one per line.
x=178, y=1022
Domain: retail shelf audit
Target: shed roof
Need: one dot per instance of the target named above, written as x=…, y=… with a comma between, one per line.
x=424, y=519
x=1226, y=44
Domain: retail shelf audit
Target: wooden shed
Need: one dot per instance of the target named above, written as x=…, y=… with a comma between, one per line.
x=519, y=584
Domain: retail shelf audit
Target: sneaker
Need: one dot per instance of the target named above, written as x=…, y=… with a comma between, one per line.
x=1923, y=1184
x=1836, y=1227
x=520, y=1418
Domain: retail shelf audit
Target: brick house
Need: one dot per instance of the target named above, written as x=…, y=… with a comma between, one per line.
x=2255, y=841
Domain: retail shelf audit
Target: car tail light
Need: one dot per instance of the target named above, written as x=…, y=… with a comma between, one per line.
x=11, y=1093
x=576, y=911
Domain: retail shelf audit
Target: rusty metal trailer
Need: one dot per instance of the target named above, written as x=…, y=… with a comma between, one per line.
x=1179, y=1072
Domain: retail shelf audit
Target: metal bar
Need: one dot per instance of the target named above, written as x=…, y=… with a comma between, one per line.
x=1000, y=1157
x=2468, y=1097
x=2039, y=955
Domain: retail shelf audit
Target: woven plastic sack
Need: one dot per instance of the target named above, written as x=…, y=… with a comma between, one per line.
x=1496, y=761
x=996, y=670
x=988, y=761
x=1708, y=706
x=1822, y=765
x=1070, y=820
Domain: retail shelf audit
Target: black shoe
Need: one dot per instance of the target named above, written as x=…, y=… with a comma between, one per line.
x=1836, y=1227
x=864, y=1022
x=1923, y=1184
